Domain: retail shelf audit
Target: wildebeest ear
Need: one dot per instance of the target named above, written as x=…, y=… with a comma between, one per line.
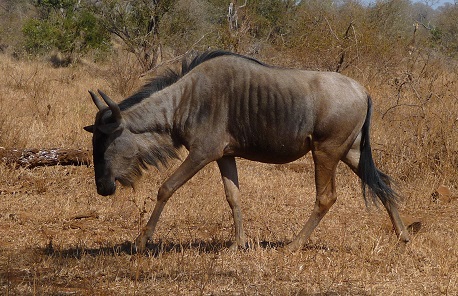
x=89, y=128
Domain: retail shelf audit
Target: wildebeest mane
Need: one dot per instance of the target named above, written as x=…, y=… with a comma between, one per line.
x=170, y=76
x=208, y=55
x=154, y=85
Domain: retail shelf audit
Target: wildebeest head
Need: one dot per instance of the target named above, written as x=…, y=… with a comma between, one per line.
x=114, y=149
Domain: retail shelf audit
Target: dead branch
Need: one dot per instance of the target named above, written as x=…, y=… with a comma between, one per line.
x=85, y=215
x=343, y=46
x=232, y=16
x=422, y=115
x=30, y=158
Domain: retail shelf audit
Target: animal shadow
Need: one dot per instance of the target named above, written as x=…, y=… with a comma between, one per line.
x=156, y=249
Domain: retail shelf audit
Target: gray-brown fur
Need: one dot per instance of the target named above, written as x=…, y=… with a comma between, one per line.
x=226, y=106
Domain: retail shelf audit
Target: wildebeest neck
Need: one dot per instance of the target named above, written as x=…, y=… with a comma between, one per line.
x=155, y=113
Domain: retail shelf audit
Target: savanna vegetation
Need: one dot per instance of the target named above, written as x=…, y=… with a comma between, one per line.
x=59, y=237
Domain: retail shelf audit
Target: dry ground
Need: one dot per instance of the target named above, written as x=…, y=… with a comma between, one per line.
x=60, y=238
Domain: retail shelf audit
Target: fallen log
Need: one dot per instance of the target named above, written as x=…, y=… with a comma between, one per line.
x=30, y=158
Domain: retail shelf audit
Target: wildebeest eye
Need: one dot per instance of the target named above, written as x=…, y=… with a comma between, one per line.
x=108, y=128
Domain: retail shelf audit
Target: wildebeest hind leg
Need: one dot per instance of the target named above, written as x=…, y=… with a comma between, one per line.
x=228, y=169
x=325, y=167
x=191, y=165
x=352, y=160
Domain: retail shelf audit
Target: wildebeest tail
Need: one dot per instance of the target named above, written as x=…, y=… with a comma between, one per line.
x=377, y=181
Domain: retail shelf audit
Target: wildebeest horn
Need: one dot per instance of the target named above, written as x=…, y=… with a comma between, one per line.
x=112, y=104
x=100, y=105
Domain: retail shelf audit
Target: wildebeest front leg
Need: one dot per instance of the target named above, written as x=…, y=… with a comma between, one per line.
x=228, y=169
x=192, y=164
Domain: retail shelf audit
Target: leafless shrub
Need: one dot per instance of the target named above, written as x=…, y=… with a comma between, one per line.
x=123, y=73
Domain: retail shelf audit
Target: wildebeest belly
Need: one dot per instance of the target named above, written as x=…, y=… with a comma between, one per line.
x=272, y=144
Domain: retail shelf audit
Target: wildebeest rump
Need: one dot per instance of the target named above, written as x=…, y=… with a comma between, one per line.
x=223, y=105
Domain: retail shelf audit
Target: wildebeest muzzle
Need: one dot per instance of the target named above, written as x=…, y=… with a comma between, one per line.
x=105, y=187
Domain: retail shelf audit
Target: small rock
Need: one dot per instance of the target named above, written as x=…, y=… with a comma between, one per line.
x=413, y=224
x=443, y=194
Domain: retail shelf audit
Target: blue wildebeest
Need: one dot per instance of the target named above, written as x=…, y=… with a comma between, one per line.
x=223, y=105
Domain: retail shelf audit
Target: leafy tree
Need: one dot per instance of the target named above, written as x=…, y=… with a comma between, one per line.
x=65, y=25
x=40, y=35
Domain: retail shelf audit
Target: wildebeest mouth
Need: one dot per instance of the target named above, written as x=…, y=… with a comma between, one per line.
x=106, y=188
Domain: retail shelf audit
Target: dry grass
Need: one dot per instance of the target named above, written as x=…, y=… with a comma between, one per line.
x=60, y=238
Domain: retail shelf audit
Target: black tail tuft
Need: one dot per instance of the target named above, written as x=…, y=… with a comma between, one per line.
x=377, y=181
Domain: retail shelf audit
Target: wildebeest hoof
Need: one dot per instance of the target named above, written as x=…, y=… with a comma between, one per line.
x=291, y=248
x=238, y=246
x=140, y=243
x=234, y=246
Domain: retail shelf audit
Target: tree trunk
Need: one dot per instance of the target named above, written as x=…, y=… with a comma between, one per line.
x=30, y=158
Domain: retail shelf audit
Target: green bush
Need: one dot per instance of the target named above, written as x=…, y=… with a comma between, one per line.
x=38, y=36
x=65, y=27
